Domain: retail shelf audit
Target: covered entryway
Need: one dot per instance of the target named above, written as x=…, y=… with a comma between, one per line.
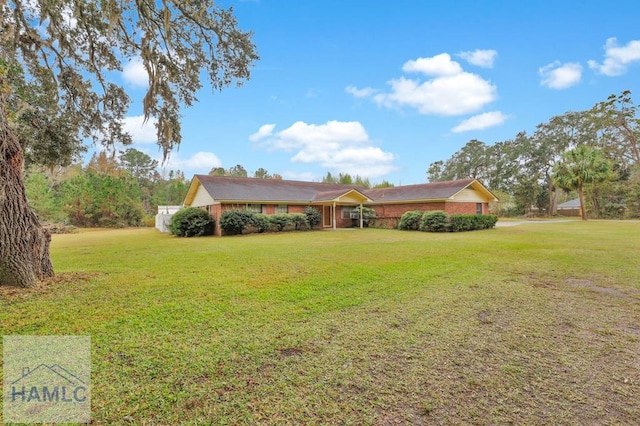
x=331, y=202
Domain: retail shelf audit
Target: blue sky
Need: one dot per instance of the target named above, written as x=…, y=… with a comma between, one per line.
x=382, y=89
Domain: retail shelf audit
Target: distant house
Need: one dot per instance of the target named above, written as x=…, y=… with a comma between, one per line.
x=335, y=202
x=570, y=208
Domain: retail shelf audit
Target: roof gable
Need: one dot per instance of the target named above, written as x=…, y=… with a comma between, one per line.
x=427, y=191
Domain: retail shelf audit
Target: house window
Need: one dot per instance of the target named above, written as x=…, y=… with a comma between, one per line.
x=478, y=208
x=256, y=208
x=347, y=212
x=282, y=208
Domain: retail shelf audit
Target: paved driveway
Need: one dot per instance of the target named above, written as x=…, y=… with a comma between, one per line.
x=501, y=224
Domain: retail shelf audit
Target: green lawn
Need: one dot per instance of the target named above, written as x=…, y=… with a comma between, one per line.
x=531, y=324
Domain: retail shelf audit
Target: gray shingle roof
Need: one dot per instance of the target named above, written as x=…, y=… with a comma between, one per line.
x=571, y=204
x=251, y=189
x=424, y=191
x=227, y=188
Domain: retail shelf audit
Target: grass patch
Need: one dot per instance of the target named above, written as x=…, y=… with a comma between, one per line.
x=525, y=324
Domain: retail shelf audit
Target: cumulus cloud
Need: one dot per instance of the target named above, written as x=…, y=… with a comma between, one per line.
x=436, y=65
x=560, y=76
x=201, y=162
x=343, y=146
x=263, y=132
x=365, y=92
x=458, y=94
x=617, y=58
x=448, y=89
x=135, y=74
x=481, y=121
x=479, y=57
x=140, y=131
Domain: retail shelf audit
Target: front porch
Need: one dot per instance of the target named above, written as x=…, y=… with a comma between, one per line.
x=339, y=208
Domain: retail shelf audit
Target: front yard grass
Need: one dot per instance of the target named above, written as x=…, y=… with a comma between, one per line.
x=531, y=324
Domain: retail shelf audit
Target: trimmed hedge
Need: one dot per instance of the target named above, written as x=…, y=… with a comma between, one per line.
x=368, y=215
x=471, y=222
x=410, y=221
x=280, y=221
x=191, y=222
x=434, y=221
x=314, y=217
x=234, y=222
x=439, y=221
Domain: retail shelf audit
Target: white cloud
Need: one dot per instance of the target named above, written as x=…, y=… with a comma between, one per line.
x=337, y=145
x=481, y=121
x=479, y=57
x=201, y=162
x=263, y=132
x=135, y=74
x=560, y=76
x=365, y=92
x=458, y=94
x=438, y=65
x=449, y=91
x=140, y=131
x=617, y=58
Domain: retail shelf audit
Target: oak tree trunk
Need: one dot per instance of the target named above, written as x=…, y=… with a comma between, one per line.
x=24, y=243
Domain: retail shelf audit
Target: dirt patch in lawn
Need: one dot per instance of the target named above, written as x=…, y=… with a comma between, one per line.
x=592, y=286
x=12, y=294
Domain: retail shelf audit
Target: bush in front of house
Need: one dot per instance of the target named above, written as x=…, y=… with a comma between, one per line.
x=191, y=222
x=299, y=221
x=434, y=221
x=368, y=215
x=314, y=217
x=410, y=221
x=261, y=223
x=280, y=221
x=233, y=222
x=471, y=222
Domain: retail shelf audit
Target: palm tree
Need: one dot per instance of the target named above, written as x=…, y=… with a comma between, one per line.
x=578, y=167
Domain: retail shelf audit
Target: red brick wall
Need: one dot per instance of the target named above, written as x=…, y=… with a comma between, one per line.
x=389, y=214
x=215, y=211
x=296, y=209
x=397, y=210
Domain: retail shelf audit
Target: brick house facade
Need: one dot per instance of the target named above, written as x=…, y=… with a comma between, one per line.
x=335, y=202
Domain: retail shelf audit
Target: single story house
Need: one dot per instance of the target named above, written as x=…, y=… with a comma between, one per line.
x=570, y=208
x=336, y=202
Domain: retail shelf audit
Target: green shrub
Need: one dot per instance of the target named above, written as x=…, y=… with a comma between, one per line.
x=368, y=215
x=434, y=221
x=191, y=222
x=261, y=222
x=280, y=221
x=235, y=221
x=471, y=222
x=460, y=222
x=299, y=221
x=314, y=217
x=410, y=221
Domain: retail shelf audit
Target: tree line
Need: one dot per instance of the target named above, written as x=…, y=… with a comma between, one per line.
x=110, y=191
x=525, y=172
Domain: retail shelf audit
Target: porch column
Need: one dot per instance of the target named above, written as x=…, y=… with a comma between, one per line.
x=334, y=215
x=361, y=217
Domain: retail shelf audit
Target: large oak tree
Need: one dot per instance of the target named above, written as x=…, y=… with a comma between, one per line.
x=58, y=59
